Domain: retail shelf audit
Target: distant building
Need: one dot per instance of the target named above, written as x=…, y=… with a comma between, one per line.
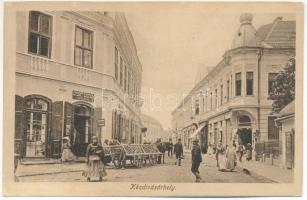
x=77, y=75
x=154, y=129
x=232, y=104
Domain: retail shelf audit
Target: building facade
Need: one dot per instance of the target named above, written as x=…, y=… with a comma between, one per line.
x=154, y=129
x=232, y=104
x=77, y=75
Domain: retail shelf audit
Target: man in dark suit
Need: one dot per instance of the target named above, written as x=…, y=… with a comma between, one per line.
x=178, y=151
x=196, y=160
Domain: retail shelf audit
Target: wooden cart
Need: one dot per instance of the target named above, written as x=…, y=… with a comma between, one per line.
x=138, y=155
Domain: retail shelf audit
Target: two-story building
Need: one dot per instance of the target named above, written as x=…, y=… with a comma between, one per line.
x=77, y=75
x=232, y=104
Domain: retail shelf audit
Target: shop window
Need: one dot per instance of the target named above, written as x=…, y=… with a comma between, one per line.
x=116, y=63
x=238, y=84
x=40, y=34
x=271, y=79
x=36, y=127
x=249, y=83
x=83, y=47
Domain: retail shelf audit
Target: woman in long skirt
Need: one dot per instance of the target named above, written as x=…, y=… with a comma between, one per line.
x=231, y=158
x=67, y=155
x=95, y=169
x=249, y=150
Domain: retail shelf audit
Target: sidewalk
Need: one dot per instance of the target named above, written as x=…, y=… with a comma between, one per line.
x=33, y=170
x=269, y=171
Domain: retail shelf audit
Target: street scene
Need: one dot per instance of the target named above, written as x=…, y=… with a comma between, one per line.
x=155, y=97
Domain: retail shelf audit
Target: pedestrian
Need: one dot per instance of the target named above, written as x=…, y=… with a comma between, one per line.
x=178, y=151
x=95, y=168
x=218, y=153
x=249, y=150
x=67, y=155
x=196, y=160
x=170, y=148
x=161, y=150
x=231, y=157
x=105, y=143
x=210, y=149
x=240, y=151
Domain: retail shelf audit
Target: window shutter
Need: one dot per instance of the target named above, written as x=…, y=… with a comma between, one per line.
x=19, y=125
x=69, y=121
x=56, y=131
x=96, y=127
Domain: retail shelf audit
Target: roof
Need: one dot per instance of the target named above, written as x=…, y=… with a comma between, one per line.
x=288, y=110
x=279, y=34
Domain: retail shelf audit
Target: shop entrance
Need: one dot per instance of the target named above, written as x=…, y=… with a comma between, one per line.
x=83, y=129
x=245, y=136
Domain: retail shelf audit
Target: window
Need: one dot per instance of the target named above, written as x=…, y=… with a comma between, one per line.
x=215, y=98
x=197, y=107
x=271, y=80
x=125, y=79
x=221, y=94
x=121, y=72
x=206, y=101
x=238, y=84
x=227, y=91
x=203, y=103
x=273, y=133
x=210, y=100
x=116, y=63
x=129, y=80
x=40, y=34
x=83, y=47
x=249, y=83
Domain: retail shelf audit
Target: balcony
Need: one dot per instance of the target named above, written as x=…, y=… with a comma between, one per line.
x=43, y=67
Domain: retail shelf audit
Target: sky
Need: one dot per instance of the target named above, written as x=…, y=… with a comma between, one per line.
x=173, y=44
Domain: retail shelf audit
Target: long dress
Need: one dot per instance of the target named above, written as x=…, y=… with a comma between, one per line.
x=95, y=169
x=222, y=161
x=67, y=154
x=231, y=159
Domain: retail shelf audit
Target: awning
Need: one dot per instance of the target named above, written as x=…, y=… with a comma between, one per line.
x=197, y=131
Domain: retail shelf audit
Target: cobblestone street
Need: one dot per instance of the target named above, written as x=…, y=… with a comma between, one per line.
x=167, y=172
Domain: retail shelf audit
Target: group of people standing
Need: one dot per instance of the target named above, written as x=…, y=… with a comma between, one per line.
x=226, y=157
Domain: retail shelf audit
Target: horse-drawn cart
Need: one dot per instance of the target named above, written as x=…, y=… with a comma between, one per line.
x=138, y=155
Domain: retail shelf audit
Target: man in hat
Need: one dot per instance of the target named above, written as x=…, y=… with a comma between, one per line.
x=196, y=159
x=178, y=151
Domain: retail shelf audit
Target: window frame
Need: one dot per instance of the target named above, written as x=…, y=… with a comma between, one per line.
x=116, y=62
x=247, y=83
x=236, y=84
x=91, y=33
x=40, y=34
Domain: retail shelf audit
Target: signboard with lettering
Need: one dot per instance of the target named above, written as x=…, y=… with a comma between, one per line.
x=84, y=96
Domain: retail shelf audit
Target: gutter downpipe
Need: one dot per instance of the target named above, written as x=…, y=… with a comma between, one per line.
x=260, y=54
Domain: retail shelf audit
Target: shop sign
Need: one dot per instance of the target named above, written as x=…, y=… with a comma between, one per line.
x=101, y=122
x=84, y=96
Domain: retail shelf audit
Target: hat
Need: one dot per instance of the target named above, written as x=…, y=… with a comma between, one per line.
x=66, y=138
x=195, y=140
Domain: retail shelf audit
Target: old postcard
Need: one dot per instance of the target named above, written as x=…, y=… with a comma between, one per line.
x=153, y=98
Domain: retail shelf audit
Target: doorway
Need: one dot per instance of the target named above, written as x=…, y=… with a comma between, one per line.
x=83, y=129
x=245, y=136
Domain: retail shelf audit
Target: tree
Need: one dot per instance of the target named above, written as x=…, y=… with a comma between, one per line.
x=283, y=91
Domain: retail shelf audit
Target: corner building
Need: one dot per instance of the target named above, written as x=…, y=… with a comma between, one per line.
x=232, y=104
x=77, y=75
